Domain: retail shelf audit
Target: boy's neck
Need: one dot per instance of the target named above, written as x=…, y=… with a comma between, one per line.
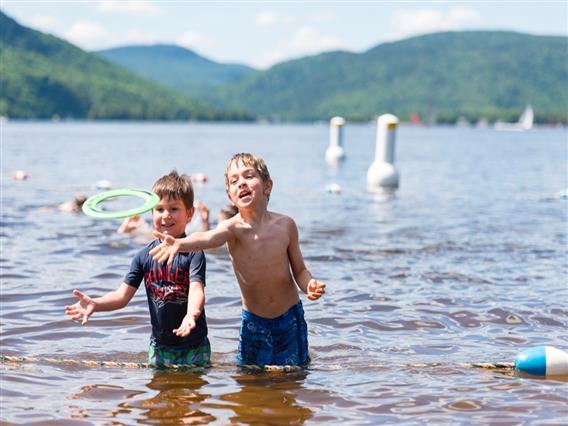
x=252, y=214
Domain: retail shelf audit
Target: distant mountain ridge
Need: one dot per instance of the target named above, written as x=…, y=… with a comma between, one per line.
x=443, y=76
x=477, y=74
x=176, y=67
x=42, y=76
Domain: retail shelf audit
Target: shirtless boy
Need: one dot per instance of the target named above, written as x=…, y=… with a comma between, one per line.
x=268, y=264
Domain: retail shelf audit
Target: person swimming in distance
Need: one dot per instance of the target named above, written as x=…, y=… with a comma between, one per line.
x=225, y=213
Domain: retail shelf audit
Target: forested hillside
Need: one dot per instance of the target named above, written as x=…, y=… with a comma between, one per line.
x=440, y=77
x=42, y=76
x=177, y=67
x=491, y=75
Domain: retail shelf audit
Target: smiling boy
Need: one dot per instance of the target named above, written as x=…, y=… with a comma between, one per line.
x=175, y=292
x=265, y=252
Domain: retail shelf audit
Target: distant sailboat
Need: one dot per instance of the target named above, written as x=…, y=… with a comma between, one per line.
x=525, y=122
x=527, y=118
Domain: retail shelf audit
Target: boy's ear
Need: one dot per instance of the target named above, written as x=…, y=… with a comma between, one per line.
x=268, y=187
x=190, y=212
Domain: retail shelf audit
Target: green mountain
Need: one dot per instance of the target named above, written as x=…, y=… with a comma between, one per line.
x=445, y=75
x=42, y=76
x=177, y=67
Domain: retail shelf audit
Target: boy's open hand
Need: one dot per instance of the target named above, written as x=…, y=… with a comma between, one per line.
x=315, y=289
x=82, y=309
x=166, y=250
x=186, y=326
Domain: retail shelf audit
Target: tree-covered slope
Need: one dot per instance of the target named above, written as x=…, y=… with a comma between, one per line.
x=42, y=76
x=447, y=75
x=176, y=67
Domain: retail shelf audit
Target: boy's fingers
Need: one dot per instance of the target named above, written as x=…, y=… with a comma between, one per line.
x=78, y=294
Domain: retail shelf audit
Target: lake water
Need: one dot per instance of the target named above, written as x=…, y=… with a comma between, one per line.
x=467, y=263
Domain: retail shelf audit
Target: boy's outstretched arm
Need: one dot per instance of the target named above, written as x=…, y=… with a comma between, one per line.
x=171, y=246
x=195, y=302
x=312, y=287
x=86, y=305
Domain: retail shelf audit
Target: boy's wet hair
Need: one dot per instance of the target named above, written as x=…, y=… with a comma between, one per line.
x=176, y=187
x=248, y=160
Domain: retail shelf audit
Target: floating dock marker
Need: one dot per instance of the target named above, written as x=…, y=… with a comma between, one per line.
x=19, y=175
x=542, y=361
x=102, y=184
x=335, y=152
x=333, y=188
x=382, y=175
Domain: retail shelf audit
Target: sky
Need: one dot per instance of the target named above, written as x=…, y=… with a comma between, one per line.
x=263, y=33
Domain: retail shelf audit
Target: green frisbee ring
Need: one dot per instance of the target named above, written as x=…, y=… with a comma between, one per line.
x=91, y=206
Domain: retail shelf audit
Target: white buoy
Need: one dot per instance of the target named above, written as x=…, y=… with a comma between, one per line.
x=335, y=152
x=382, y=175
x=199, y=177
x=20, y=175
x=333, y=188
x=102, y=184
x=542, y=361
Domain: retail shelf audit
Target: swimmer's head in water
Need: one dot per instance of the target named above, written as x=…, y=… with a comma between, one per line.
x=80, y=200
x=227, y=212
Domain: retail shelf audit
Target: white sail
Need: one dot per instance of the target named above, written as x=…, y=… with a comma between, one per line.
x=527, y=118
x=525, y=122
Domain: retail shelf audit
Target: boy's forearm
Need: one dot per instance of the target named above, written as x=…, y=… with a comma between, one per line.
x=196, y=302
x=302, y=279
x=198, y=241
x=188, y=244
x=109, y=302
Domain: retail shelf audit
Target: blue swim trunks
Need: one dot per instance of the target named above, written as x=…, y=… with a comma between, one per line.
x=277, y=341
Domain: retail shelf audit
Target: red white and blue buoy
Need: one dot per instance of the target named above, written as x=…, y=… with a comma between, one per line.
x=542, y=361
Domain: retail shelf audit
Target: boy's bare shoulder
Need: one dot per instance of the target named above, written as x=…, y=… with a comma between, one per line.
x=231, y=223
x=280, y=219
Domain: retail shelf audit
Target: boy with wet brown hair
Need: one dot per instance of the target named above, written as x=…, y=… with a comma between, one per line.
x=268, y=263
x=175, y=292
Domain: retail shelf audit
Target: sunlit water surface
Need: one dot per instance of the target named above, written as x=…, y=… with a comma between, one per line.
x=468, y=263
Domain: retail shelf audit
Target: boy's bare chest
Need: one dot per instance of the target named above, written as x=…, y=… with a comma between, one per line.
x=263, y=244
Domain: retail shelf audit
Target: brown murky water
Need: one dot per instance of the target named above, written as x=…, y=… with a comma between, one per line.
x=468, y=263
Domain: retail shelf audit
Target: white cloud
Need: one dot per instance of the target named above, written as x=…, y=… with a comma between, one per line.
x=87, y=34
x=42, y=23
x=143, y=7
x=323, y=17
x=309, y=40
x=305, y=41
x=268, y=19
x=270, y=58
x=265, y=19
x=421, y=21
x=195, y=40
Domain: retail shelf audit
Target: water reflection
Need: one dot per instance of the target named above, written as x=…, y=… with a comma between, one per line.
x=178, y=400
x=268, y=398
